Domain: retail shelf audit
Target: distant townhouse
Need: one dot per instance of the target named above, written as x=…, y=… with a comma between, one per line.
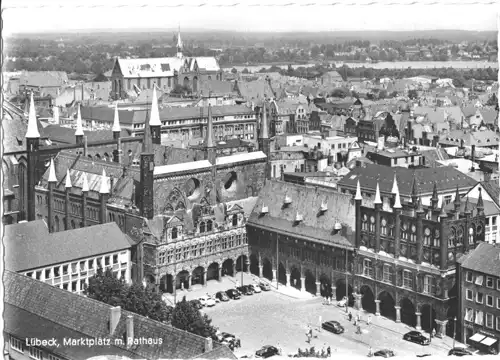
x=32, y=251
x=396, y=157
x=478, y=280
x=288, y=117
x=43, y=83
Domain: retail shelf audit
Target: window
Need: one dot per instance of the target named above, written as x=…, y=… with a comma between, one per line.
x=489, y=300
x=91, y=263
x=468, y=276
x=469, y=295
x=174, y=233
x=52, y=357
x=489, y=321
x=209, y=225
x=161, y=257
x=38, y=275
x=202, y=227
x=16, y=344
x=235, y=220
x=469, y=315
x=498, y=302
x=57, y=271
x=428, y=284
x=387, y=273
x=479, y=280
x=498, y=284
x=479, y=297
x=489, y=282
x=65, y=269
x=479, y=317
x=407, y=279
x=447, y=199
x=106, y=261
x=48, y=274
x=367, y=268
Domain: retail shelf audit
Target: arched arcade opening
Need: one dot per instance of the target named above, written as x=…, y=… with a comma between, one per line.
x=241, y=263
x=182, y=280
x=368, y=299
x=326, y=286
x=341, y=291
x=295, y=278
x=197, y=277
x=310, y=282
x=387, y=305
x=213, y=271
x=282, y=274
x=227, y=267
x=408, y=312
x=427, y=318
x=267, y=269
x=254, y=265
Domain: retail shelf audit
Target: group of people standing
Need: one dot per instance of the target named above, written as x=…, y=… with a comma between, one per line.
x=357, y=321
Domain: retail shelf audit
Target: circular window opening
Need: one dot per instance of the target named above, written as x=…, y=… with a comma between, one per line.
x=230, y=182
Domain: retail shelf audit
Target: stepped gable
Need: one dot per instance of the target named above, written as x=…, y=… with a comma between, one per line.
x=306, y=201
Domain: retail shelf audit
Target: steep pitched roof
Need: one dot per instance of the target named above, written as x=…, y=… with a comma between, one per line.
x=149, y=67
x=67, y=135
x=27, y=252
x=493, y=189
x=485, y=258
x=36, y=309
x=305, y=201
x=14, y=132
x=44, y=78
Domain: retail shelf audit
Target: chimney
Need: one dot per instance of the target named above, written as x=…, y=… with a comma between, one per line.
x=114, y=318
x=130, y=328
x=208, y=344
x=473, y=157
x=85, y=146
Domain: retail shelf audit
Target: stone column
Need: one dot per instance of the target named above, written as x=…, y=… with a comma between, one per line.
x=190, y=278
x=247, y=263
x=377, y=306
x=334, y=292
x=441, y=328
x=398, y=313
x=302, y=284
x=357, y=301
x=220, y=274
x=318, y=288
x=174, y=284
x=234, y=269
x=204, y=278
x=287, y=279
x=419, y=323
x=260, y=270
x=275, y=278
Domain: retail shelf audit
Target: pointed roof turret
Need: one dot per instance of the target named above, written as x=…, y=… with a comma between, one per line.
x=147, y=142
x=154, y=117
x=116, y=122
x=420, y=207
x=397, y=201
x=209, y=142
x=457, y=198
x=52, y=172
x=104, y=183
x=68, y=180
x=85, y=183
x=467, y=209
x=264, y=134
x=443, y=212
x=414, y=187
x=32, y=132
x=179, y=41
x=377, y=200
x=435, y=196
x=480, y=204
x=395, y=188
x=79, y=126
x=358, y=192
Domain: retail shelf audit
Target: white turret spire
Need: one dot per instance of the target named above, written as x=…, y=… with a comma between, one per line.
x=104, y=183
x=116, y=122
x=68, y=180
x=154, y=118
x=358, y=192
x=52, y=172
x=32, y=132
x=179, y=43
x=397, y=202
x=79, y=126
x=395, y=187
x=377, y=196
x=85, y=183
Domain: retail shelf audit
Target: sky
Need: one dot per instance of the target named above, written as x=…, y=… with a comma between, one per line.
x=28, y=16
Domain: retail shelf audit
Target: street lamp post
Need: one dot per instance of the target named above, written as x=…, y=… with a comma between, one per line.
x=241, y=269
x=277, y=261
x=454, y=330
x=346, y=284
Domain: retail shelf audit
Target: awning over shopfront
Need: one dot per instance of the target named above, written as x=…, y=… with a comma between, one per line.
x=488, y=341
x=477, y=337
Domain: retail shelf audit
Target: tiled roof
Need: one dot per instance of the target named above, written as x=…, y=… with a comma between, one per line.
x=493, y=189
x=490, y=116
x=489, y=207
x=62, y=314
x=446, y=178
x=478, y=138
x=186, y=166
x=105, y=113
x=14, y=132
x=148, y=68
x=25, y=251
x=216, y=87
x=307, y=202
x=254, y=90
x=66, y=135
x=173, y=113
x=432, y=155
x=231, y=159
x=44, y=78
x=207, y=63
x=485, y=259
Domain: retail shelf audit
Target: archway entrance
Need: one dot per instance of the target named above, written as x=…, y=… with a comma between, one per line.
x=182, y=281
x=254, y=265
x=213, y=271
x=195, y=84
x=387, y=305
x=295, y=278
x=170, y=284
x=428, y=317
x=267, y=269
x=241, y=263
x=367, y=299
x=282, y=274
x=450, y=315
x=310, y=282
x=340, y=292
x=408, y=312
x=164, y=285
x=326, y=286
x=227, y=267
x=197, y=277
x=186, y=82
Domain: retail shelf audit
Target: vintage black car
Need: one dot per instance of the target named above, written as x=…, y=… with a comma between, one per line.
x=267, y=351
x=386, y=353
x=233, y=294
x=333, y=326
x=459, y=352
x=416, y=337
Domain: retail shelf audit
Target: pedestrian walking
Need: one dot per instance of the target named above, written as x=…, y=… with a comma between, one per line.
x=358, y=331
x=369, y=320
x=328, y=351
x=433, y=333
x=355, y=322
x=350, y=316
x=358, y=317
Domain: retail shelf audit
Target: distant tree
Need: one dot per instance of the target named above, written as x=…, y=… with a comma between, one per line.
x=245, y=71
x=340, y=93
x=413, y=94
x=180, y=90
x=234, y=71
x=492, y=101
x=187, y=317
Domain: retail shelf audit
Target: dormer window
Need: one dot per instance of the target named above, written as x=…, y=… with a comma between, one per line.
x=298, y=218
x=174, y=233
x=324, y=207
x=209, y=225
x=202, y=227
x=264, y=209
x=235, y=220
x=288, y=200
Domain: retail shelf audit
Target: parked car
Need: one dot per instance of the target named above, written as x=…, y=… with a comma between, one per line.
x=229, y=339
x=245, y=290
x=207, y=301
x=212, y=296
x=267, y=351
x=342, y=302
x=255, y=288
x=333, y=326
x=221, y=296
x=386, y=353
x=423, y=355
x=197, y=304
x=458, y=351
x=233, y=294
x=416, y=337
x=265, y=286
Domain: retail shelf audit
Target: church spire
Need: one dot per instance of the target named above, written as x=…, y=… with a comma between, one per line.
x=179, y=43
x=32, y=132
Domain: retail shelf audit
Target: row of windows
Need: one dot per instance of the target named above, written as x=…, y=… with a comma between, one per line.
x=469, y=295
x=478, y=317
x=121, y=219
x=200, y=249
x=479, y=280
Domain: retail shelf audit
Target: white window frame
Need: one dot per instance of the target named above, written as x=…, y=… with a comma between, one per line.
x=407, y=280
x=498, y=284
x=469, y=314
x=386, y=273
x=36, y=353
x=477, y=297
x=16, y=344
x=492, y=282
x=489, y=316
x=428, y=284
x=479, y=317
x=467, y=292
x=479, y=280
x=53, y=357
x=498, y=323
x=498, y=302
x=367, y=268
x=491, y=298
